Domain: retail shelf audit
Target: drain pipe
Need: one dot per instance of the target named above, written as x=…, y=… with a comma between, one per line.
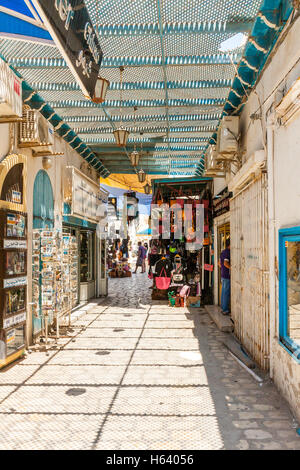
x=272, y=239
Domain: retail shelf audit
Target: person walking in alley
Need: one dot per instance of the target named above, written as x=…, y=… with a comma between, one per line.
x=224, y=264
x=141, y=259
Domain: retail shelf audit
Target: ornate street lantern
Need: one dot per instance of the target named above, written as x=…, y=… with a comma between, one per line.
x=147, y=188
x=100, y=90
x=121, y=134
x=134, y=158
x=142, y=176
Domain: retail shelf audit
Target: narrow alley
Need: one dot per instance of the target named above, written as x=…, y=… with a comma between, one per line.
x=139, y=375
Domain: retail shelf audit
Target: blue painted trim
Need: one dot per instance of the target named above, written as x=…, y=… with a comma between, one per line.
x=35, y=101
x=291, y=234
x=116, y=62
x=16, y=26
x=77, y=222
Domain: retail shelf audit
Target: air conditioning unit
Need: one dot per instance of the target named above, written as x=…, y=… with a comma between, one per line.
x=228, y=132
x=212, y=166
x=36, y=132
x=10, y=94
x=289, y=106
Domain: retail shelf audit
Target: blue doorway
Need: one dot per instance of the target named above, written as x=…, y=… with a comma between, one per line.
x=43, y=217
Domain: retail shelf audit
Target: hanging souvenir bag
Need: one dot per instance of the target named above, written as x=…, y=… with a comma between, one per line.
x=162, y=282
x=185, y=291
x=177, y=275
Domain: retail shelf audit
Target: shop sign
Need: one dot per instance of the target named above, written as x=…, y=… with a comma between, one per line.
x=209, y=267
x=15, y=320
x=16, y=197
x=221, y=205
x=16, y=244
x=70, y=26
x=19, y=281
x=87, y=197
x=11, y=336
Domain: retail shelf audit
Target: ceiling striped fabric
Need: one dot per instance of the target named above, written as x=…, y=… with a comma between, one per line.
x=175, y=74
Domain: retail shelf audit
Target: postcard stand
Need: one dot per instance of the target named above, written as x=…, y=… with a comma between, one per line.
x=54, y=280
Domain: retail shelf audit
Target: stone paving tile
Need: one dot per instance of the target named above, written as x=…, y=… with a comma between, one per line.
x=78, y=375
x=157, y=432
x=72, y=357
x=120, y=311
x=55, y=399
x=170, y=344
x=46, y=431
x=125, y=317
x=165, y=375
x=170, y=324
x=118, y=323
x=111, y=333
x=38, y=357
x=5, y=390
x=164, y=401
x=17, y=375
x=163, y=357
x=180, y=392
x=102, y=343
x=182, y=318
x=167, y=333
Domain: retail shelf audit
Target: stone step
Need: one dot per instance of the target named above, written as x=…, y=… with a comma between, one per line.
x=222, y=321
x=235, y=347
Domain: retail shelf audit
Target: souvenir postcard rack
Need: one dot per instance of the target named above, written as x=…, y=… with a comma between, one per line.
x=54, y=277
x=13, y=284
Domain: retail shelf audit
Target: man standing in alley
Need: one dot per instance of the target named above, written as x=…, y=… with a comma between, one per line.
x=141, y=259
x=224, y=264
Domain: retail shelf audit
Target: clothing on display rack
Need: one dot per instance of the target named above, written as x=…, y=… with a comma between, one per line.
x=163, y=263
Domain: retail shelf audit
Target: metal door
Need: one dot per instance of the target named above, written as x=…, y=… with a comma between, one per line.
x=249, y=269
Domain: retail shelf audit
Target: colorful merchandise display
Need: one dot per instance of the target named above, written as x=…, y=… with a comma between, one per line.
x=13, y=284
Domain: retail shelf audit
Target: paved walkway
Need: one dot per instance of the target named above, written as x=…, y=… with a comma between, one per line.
x=137, y=375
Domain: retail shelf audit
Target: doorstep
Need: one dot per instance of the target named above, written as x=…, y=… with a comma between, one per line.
x=84, y=307
x=222, y=321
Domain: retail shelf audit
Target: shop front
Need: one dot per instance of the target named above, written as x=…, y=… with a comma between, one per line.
x=221, y=215
x=180, y=254
x=83, y=199
x=13, y=258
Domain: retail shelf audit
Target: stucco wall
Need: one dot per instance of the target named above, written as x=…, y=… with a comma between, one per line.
x=279, y=75
x=56, y=175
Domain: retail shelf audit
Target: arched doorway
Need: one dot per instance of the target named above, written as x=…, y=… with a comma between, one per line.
x=43, y=203
x=43, y=218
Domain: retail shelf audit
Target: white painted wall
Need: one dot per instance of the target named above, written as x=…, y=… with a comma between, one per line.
x=279, y=74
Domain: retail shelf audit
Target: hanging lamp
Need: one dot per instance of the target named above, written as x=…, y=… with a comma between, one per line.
x=121, y=134
x=134, y=156
x=101, y=88
x=142, y=176
x=147, y=188
x=102, y=84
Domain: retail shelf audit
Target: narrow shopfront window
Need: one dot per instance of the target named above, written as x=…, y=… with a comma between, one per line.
x=86, y=256
x=289, y=289
x=223, y=235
